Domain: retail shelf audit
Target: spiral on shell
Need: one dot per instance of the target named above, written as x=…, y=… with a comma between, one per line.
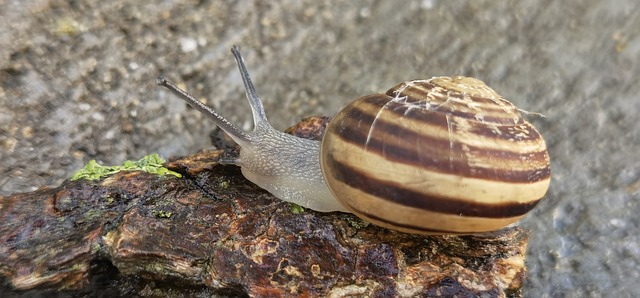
x=438, y=156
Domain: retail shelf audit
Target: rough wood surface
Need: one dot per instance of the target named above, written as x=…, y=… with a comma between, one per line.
x=136, y=233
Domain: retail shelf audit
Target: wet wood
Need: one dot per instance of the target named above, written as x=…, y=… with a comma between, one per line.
x=212, y=231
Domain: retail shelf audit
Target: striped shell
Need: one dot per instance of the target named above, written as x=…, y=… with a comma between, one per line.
x=438, y=156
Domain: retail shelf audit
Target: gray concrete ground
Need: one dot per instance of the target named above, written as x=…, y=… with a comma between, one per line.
x=77, y=82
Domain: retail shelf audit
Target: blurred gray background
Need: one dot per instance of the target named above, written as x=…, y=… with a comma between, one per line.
x=77, y=82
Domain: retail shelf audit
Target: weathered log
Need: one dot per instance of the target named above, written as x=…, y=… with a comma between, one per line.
x=212, y=231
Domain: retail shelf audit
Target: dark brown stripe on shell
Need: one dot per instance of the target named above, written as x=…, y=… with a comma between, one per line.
x=507, y=132
x=440, y=119
x=396, y=193
x=437, y=118
x=428, y=157
x=417, y=229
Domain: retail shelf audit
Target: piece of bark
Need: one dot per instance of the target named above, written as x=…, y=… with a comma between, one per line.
x=212, y=231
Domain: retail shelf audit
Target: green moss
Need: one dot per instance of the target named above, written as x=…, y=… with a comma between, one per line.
x=108, y=199
x=91, y=215
x=163, y=214
x=224, y=184
x=296, y=209
x=156, y=268
x=357, y=222
x=151, y=163
x=95, y=247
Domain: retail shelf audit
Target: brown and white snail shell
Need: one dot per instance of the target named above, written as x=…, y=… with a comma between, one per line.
x=437, y=156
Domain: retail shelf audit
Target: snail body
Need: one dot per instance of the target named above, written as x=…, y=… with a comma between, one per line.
x=438, y=156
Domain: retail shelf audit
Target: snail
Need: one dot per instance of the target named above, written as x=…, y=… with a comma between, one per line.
x=447, y=155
